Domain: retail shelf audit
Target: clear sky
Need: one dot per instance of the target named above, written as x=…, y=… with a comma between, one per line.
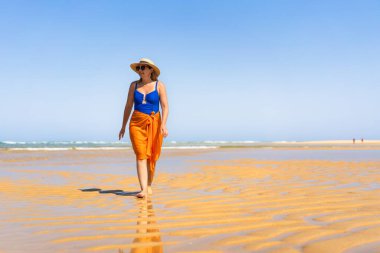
x=234, y=70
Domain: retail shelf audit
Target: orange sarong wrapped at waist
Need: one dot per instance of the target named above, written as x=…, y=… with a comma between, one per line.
x=146, y=137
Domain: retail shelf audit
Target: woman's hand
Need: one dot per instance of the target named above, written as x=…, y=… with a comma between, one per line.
x=121, y=134
x=164, y=131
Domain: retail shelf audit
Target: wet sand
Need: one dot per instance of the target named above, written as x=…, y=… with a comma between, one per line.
x=290, y=199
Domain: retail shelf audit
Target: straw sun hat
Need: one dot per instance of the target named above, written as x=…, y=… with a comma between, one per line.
x=145, y=61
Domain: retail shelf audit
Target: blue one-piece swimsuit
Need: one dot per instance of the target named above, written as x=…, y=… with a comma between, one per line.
x=151, y=102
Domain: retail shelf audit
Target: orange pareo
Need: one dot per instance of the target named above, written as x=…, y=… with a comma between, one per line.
x=146, y=137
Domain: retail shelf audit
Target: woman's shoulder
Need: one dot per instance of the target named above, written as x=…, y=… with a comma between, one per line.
x=160, y=83
x=133, y=84
x=160, y=86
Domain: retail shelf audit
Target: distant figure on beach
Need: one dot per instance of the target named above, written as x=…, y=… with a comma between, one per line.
x=146, y=130
x=362, y=140
x=353, y=140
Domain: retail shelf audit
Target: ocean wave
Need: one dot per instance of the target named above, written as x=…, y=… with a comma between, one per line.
x=12, y=142
x=87, y=145
x=247, y=142
x=229, y=142
x=284, y=142
x=190, y=147
x=101, y=148
x=113, y=142
x=39, y=149
x=67, y=148
x=63, y=144
x=104, y=148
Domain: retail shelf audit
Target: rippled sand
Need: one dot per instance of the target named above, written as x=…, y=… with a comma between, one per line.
x=198, y=205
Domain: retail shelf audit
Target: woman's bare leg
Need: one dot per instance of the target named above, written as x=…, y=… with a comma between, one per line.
x=150, y=180
x=142, y=171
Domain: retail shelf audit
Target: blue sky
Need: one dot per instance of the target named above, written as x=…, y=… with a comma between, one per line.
x=234, y=70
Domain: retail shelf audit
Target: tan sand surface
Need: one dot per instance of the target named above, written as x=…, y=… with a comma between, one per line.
x=220, y=205
x=328, y=144
x=357, y=141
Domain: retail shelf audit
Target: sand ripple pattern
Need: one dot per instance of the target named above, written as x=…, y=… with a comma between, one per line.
x=240, y=205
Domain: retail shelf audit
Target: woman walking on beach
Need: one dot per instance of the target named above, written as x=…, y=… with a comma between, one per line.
x=146, y=129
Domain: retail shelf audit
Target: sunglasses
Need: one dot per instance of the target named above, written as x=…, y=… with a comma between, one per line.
x=143, y=67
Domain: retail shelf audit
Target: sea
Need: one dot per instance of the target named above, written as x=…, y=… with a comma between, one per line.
x=106, y=145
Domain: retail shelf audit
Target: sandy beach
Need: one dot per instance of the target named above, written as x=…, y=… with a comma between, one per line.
x=312, y=199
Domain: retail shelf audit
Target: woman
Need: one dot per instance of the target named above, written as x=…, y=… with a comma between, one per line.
x=146, y=128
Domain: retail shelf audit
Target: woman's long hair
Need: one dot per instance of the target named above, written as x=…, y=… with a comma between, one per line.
x=154, y=76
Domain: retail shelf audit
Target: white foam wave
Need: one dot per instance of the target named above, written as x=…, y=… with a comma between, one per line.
x=68, y=148
x=191, y=147
x=244, y=142
x=13, y=142
x=220, y=142
x=105, y=148
x=40, y=149
x=229, y=142
x=101, y=148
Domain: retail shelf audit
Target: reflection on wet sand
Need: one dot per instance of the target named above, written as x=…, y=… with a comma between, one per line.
x=148, y=237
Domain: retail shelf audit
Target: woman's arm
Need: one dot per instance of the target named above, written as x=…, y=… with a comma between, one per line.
x=127, y=109
x=164, y=107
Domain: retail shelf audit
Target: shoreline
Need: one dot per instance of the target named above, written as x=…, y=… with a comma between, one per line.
x=267, y=145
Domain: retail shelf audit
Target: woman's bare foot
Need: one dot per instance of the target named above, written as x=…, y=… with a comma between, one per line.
x=141, y=194
x=150, y=190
